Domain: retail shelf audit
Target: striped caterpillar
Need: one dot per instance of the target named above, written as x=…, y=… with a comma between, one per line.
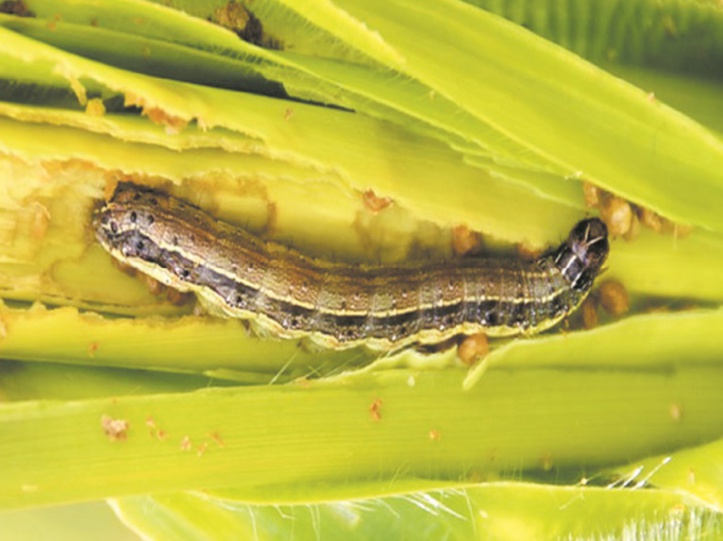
x=235, y=274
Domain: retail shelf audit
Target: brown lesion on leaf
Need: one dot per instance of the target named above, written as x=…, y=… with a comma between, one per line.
x=466, y=242
x=153, y=430
x=375, y=409
x=115, y=429
x=52, y=24
x=238, y=18
x=178, y=298
x=375, y=203
x=185, y=444
x=217, y=439
x=173, y=124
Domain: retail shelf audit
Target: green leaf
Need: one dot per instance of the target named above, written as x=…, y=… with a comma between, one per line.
x=458, y=117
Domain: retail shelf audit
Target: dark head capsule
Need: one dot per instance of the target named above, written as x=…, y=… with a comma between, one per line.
x=583, y=254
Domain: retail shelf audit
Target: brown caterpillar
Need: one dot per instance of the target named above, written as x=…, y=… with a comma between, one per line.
x=235, y=274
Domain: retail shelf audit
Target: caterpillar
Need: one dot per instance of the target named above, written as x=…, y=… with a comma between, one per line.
x=337, y=305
